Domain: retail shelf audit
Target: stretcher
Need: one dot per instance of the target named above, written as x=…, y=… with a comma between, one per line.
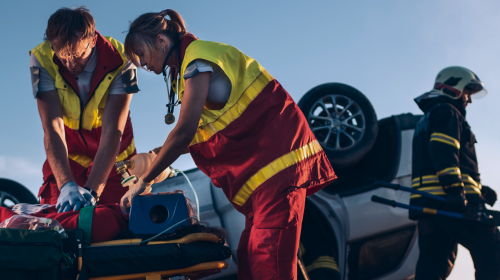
x=169, y=253
x=473, y=213
x=194, y=255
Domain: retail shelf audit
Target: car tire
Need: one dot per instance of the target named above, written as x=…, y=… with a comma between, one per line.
x=12, y=192
x=343, y=120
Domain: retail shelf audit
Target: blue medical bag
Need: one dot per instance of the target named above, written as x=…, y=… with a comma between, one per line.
x=152, y=214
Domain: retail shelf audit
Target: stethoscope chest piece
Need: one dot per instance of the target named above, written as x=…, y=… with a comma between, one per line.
x=169, y=118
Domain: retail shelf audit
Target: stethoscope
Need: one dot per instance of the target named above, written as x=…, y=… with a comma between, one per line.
x=172, y=100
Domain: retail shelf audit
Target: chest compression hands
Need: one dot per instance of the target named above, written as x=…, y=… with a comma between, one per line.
x=73, y=197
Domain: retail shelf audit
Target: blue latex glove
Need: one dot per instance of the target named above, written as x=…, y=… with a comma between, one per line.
x=73, y=197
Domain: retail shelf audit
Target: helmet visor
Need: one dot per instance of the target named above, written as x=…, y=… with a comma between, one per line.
x=477, y=90
x=480, y=94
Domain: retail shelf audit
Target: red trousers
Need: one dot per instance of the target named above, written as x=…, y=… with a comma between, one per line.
x=268, y=245
x=113, y=191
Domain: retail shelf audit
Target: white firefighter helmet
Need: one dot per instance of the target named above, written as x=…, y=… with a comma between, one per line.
x=452, y=81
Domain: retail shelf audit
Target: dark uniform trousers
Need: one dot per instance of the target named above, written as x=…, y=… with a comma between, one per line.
x=438, y=238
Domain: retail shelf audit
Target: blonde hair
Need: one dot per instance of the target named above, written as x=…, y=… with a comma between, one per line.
x=144, y=30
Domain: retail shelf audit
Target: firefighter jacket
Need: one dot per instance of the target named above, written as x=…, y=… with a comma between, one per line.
x=83, y=122
x=260, y=143
x=444, y=158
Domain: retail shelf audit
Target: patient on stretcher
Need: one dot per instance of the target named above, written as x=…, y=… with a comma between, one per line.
x=108, y=221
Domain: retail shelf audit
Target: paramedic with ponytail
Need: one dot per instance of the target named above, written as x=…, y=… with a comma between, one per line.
x=243, y=130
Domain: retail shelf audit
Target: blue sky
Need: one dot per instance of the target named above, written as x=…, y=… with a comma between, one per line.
x=389, y=50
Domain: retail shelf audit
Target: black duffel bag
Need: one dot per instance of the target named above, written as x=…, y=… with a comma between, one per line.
x=29, y=254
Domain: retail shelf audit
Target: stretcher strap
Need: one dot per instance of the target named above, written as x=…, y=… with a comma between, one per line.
x=85, y=224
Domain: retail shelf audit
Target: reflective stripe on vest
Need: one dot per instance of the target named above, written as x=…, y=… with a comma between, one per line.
x=85, y=161
x=279, y=164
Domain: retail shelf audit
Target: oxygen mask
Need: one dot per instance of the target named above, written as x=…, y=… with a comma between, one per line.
x=134, y=168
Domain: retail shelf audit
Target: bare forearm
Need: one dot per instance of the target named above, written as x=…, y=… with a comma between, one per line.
x=113, y=124
x=57, y=155
x=54, y=136
x=175, y=145
x=157, y=150
x=104, y=161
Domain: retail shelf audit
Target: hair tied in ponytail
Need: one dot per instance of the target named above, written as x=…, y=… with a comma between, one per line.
x=145, y=29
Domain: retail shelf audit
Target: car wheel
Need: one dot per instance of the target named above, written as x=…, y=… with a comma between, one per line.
x=12, y=193
x=343, y=120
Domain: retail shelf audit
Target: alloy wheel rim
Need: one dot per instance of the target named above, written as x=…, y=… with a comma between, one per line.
x=7, y=200
x=337, y=122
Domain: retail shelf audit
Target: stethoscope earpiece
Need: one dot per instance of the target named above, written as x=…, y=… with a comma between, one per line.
x=169, y=118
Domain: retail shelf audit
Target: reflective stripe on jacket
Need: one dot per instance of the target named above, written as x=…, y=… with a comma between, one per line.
x=260, y=142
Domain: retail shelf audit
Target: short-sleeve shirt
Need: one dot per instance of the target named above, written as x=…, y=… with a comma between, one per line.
x=44, y=82
x=219, y=89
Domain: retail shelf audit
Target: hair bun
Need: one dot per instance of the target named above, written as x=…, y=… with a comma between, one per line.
x=163, y=13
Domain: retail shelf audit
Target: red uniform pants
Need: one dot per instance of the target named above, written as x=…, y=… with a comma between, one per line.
x=268, y=245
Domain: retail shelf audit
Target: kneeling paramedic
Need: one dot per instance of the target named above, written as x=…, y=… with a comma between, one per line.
x=243, y=130
x=445, y=164
x=83, y=83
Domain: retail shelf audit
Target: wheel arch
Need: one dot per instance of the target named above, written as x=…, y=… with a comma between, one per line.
x=312, y=211
x=20, y=192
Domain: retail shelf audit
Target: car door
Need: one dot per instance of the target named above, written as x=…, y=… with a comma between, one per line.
x=381, y=242
x=375, y=241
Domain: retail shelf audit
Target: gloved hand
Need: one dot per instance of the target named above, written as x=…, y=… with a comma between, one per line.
x=139, y=187
x=73, y=197
x=489, y=195
x=456, y=202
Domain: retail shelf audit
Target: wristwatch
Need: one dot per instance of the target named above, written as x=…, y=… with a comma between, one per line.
x=93, y=193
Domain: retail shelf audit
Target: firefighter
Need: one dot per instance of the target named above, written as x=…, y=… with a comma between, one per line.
x=243, y=130
x=82, y=82
x=444, y=163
